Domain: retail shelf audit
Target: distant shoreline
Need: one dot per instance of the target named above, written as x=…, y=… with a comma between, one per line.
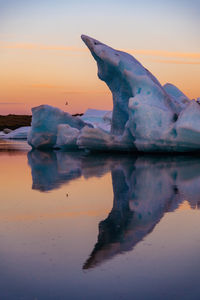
x=13, y=121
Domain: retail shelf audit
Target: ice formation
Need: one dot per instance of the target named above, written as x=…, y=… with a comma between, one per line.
x=176, y=95
x=98, y=118
x=146, y=116
x=19, y=133
x=67, y=137
x=44, y=126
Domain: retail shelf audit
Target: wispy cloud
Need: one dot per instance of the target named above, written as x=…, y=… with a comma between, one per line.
x=62, y=87
x=11, y=103
x=87, y=92
x=27, y=46
x=162, y=53
x=187, y=57
x=179, y=62
x=47, y=86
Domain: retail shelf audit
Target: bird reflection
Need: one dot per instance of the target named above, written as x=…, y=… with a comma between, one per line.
x=144, y=188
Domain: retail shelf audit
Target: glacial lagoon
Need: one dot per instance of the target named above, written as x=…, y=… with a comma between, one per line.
x=98, y=226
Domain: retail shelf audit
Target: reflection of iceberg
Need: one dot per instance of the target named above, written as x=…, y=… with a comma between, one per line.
x=143, y=192
x=50, y=169
x=144, y=188
x=14, y=146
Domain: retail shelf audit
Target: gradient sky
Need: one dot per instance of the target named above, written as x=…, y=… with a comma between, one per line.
x=44, y=61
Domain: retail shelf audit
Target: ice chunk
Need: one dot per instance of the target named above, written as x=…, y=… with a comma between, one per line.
x=188, y=126
x=175, y=92
x=2, y=134
x=67, y=137
x=147, y=121
x=182, y=136
x=179, y=97
x=145, y=117
x=141, y=106
x=98, y=118
x=97, y=139
x=94, y=113
x=108, y=117
x=19, y=133
x=45, y=120
x=126, y=78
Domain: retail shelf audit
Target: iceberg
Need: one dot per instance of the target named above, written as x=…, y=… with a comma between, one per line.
x=146, y=116
x=67, y=137
x=20, y=133
x=188, y=126
x=146, y=112
x=44, y=126
x=178, y=97
x=98, y=118
x=126, y=78
x=98, y=140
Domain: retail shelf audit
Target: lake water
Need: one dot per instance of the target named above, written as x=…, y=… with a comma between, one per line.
x=82, y=226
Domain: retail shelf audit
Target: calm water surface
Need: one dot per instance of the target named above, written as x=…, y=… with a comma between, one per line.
x=80, y=226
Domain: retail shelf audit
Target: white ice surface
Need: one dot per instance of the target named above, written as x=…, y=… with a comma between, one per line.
x=67, y=137
x=45, y=120
x=178, y=97
x=98, y=118
x=19, y=133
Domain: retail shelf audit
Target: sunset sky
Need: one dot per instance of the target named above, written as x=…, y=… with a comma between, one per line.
x=44, y=61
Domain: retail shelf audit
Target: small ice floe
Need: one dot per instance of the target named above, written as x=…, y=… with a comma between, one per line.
x=19, y=133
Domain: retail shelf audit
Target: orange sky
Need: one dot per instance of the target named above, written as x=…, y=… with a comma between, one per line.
x=43, y=60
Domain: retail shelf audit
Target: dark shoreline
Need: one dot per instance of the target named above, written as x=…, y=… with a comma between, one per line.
x=13, y=121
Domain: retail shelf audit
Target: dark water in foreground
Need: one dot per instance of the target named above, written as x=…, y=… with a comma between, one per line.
x=77, y=226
